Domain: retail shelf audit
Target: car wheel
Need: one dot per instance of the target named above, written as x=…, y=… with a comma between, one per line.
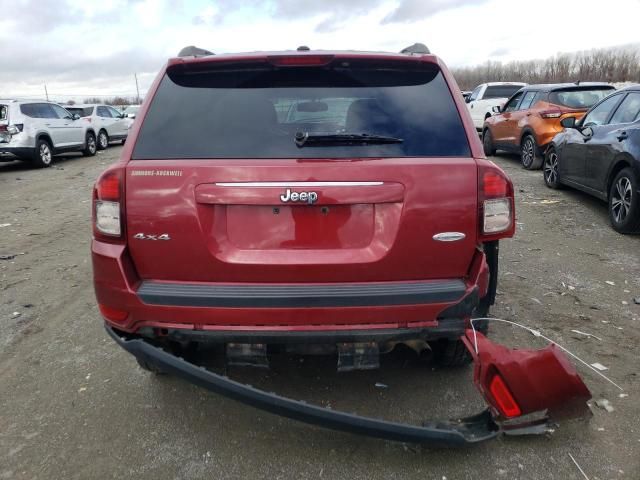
x=487, y=143
x=624, y=211
x=43, y=154
x=450, y=353
x=103, y=140
x=528, y=153
x=150, y=367
x=89, y=145
x=550, y=169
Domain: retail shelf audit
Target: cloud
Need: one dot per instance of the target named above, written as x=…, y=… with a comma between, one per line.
x=500, y=52
x=415, y=10
x=37, y=16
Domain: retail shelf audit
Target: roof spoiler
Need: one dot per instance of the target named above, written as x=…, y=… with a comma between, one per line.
x=193, y=51
x=417, y=49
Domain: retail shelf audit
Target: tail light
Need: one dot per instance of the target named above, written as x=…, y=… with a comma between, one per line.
x=503, y=398
x=12, y=129
x=15, y=129
x=108, y=205
x=551, y=113
x=495, y=200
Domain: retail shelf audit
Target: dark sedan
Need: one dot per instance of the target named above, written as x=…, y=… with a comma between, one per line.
x=600, y=155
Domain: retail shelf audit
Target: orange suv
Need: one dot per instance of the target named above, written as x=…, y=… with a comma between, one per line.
x=531, y=118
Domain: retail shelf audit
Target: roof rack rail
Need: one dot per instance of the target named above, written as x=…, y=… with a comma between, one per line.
x=416, y=48
x=193, y=51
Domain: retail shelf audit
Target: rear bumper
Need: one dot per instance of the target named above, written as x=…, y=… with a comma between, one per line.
x=542, y=384
x=285, y=309
x=18, y=151
x=438, y=434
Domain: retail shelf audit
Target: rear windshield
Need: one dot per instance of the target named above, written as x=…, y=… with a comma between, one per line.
x=82, y=111
x=255, y=111
x=3, y=112
x=501, y=91
x=579, y=97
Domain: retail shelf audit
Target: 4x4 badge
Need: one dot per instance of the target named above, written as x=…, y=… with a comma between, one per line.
x=144, y=236
x=289, y=196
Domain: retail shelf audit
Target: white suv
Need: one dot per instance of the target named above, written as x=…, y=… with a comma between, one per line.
x=488, y=95
x=38, y=130
x=110, y=124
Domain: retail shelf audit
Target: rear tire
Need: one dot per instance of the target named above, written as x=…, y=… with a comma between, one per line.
x=487, y=143
x=529, y=153
x=150, y=367
x=550, y=169
x=89, y=145
x=43, y=154
x=624, y=202
x=103, y=140
x=451, y=353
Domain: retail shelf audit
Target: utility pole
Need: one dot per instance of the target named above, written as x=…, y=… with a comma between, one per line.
x=46, y=93
x=137, y=89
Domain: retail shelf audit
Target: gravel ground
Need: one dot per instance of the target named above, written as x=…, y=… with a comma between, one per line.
x=75, y=406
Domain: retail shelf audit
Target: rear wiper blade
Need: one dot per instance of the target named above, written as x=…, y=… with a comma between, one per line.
x=317, y=139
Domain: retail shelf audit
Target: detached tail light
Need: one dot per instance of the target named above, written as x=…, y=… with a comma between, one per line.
x=551, y=114
x=107, y=204
x=495, y=198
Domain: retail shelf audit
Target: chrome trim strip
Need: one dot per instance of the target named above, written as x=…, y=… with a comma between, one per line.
x=449, y=236
x=298, y=184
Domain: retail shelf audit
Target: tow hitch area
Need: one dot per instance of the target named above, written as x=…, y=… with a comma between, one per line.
x=524, y=389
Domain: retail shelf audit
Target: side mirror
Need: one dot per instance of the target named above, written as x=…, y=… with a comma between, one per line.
x=587, y=132
x=131, y=115
x=568, y=122
x=75, y=116
x=467, y=99
x=496, y=109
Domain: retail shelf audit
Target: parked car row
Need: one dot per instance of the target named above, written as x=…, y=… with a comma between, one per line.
x=530, y=119
x=600, y=155
x=583, y=135
x=36, y=131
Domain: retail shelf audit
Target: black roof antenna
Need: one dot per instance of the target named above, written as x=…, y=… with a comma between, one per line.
x=193, y=51
x=303, y=48
x=416, y=48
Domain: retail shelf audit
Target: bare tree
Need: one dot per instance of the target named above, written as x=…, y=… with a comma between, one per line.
x=620, y=64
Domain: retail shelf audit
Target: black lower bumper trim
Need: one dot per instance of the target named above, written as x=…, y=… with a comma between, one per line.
x=301, y=296
x=448, y=434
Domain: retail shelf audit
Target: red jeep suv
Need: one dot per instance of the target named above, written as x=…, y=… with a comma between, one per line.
x=331, y=198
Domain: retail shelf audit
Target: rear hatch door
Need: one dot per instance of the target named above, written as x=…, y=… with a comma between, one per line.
x=219, y=191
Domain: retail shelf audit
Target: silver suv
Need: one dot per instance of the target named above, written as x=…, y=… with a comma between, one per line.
x=110, y=124
x=37, y=130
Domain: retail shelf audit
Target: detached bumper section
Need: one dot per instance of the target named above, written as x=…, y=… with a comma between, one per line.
x=505, y=414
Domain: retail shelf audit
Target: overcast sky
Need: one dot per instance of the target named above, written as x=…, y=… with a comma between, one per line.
x=90, y=47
